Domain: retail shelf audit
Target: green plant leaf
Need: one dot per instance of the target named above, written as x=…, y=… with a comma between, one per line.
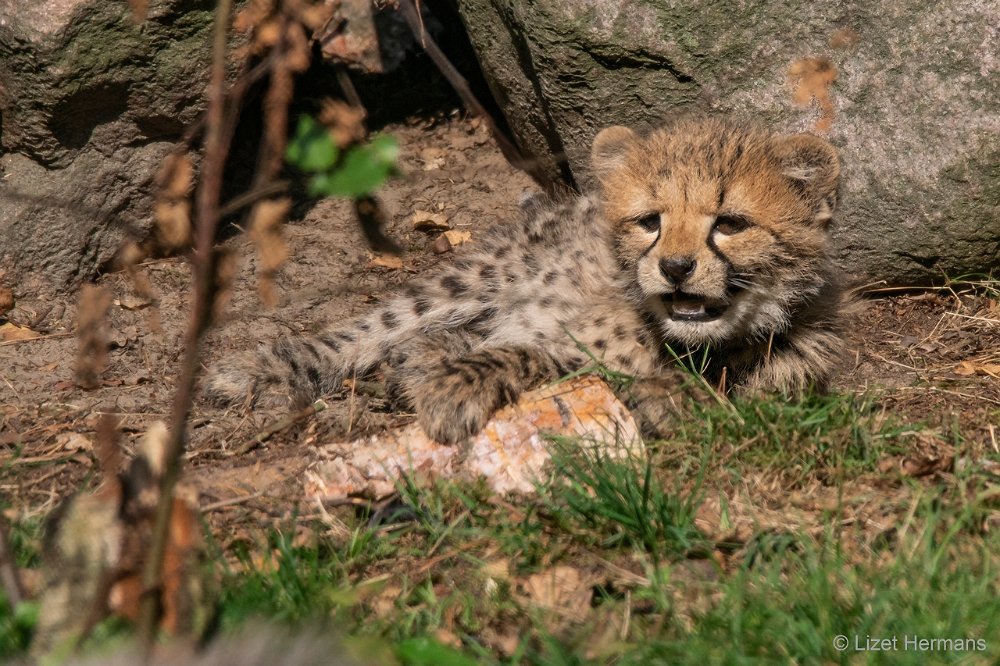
x=311, y=148
x=364, y=169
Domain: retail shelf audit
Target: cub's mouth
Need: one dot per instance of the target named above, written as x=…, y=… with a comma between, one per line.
x=683, y=306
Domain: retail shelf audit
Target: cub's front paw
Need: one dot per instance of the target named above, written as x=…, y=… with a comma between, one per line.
x=451, y=418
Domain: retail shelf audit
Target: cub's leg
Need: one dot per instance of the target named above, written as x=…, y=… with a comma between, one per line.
x=456, y=395
x=300, y=369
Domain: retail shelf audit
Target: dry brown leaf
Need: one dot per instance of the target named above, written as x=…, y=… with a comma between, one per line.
x=561, y=589
x=424, y=220
x=252, y=14
x=130, y=302
x=122, y=337
x=927, y=454
x=267, y=35
x=965, y=369
x=433, y=158
x=172, y=209
x=272, y=251
x=384, y=603
x=968, y=368
x=105, y=537
x=924, y=466
x=74, y=441
x=92, y=332
x=386, y=261
x=225, y=272
x=506, y=639
x=297, y=55
x=9, y=331
x=456, y=237
x=345, y=122
x=128, y=258
x=499, y=569
x=6, y=300
x=446, y=637
x=316, y=16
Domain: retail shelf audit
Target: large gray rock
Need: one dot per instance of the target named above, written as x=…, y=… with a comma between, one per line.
x=915, y=103
x=89, y=101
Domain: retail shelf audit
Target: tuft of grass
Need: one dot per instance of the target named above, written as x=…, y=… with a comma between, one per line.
x=984, y=283
x=289, y=583
x=17, y=626
x=799, y=436
x=17, y=623
x=941, y=585
x=619, y=502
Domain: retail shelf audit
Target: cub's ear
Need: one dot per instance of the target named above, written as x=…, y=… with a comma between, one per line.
x=813, y=165
x=611, y=145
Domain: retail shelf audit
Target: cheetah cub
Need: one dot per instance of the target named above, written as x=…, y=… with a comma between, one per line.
x=705, y=235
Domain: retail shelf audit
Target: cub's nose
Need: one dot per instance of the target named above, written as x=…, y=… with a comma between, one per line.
x=677, y=268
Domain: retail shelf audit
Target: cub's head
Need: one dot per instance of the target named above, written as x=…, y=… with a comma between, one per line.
x=721, y=227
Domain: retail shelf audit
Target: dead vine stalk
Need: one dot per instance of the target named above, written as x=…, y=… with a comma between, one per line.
x=411, y=14
x=205, y=260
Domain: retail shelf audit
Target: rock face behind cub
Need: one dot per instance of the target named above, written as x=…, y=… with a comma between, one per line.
x=706, y=235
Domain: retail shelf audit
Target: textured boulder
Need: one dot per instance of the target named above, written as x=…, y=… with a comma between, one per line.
x=907, y=91
x=89, y=102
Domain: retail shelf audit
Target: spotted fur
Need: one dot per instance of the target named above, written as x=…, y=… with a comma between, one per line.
x=704, y=234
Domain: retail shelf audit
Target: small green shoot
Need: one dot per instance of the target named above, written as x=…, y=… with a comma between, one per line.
x=352, y=173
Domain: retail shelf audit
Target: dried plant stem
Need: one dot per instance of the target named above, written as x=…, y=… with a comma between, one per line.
x=280, y=425
x=265, y=191
x=461, y=86
x=204, y=259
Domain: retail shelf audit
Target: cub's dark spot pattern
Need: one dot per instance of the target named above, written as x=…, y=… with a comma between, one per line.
x=454, y=286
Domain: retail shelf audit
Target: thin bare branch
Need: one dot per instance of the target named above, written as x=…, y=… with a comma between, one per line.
x=461, y=86
x=205, y=260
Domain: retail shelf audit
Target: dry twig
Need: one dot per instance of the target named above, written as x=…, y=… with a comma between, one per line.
x=205, y=273
x=280, y=425
x=461, y=86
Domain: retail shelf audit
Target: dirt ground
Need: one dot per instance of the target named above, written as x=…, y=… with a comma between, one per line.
x=931, y=357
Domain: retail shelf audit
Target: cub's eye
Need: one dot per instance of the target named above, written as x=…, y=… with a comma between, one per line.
x=728, y=225
x=650, y=223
